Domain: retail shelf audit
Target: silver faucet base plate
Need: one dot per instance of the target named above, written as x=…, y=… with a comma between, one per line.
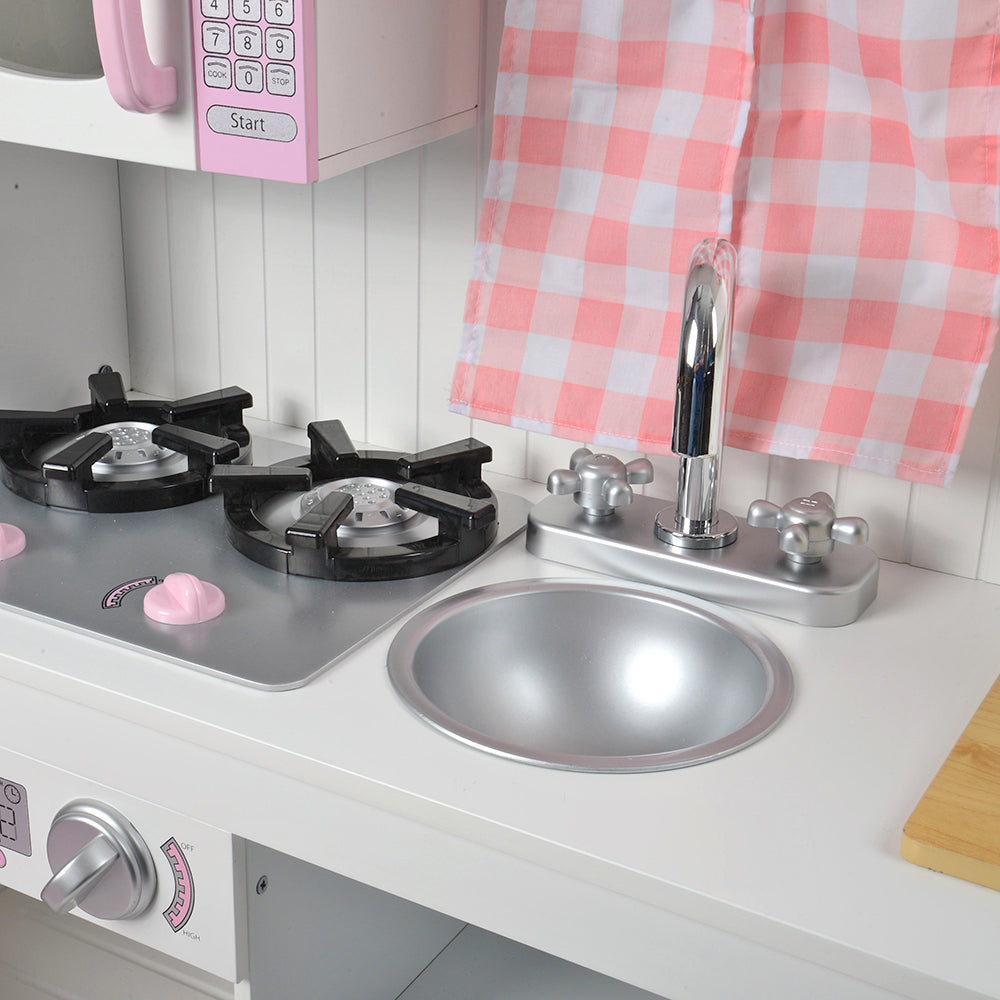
x=752, y=573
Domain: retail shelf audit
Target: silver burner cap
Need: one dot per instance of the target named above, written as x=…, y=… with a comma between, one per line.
x=375, y=520
x=374, y=503
x=133, y=456
x=134, y=452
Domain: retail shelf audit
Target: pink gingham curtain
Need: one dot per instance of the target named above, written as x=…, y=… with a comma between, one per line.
x=848, y=149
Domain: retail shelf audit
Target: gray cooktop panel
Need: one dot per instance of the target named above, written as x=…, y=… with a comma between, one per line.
x=90, y=572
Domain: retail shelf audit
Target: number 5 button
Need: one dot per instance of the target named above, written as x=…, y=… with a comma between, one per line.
x=280, y=43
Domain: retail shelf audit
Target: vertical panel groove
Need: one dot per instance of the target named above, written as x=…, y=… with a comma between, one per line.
x=366, y=325
x=215, y=264
x=315, y=302
x=266, y=316
x=418, y=265
x=170, y=280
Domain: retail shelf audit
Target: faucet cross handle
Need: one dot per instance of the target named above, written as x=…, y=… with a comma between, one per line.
x=808, y=526
x=600, y=483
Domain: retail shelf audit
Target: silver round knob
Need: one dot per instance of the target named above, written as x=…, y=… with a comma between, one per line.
x=100, y=863
x=808, y=526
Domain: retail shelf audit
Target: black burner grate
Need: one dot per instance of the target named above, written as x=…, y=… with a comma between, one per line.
x=442, y=483
x=49, y=457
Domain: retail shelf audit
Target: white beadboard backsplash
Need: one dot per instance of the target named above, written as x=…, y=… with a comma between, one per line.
x=345, y=300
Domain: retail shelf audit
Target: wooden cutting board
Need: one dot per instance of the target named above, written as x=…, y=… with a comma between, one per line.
x=956, y=826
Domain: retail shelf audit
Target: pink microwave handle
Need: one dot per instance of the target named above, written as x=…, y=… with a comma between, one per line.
x=134, y=81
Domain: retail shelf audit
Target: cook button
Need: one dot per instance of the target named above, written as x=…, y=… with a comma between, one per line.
x=272, y=125
x=218, y=73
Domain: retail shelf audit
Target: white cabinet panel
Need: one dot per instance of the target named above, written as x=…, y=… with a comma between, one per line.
x=392, y=299
x=289, y=312
x=239, y=267
x=448, y=214
x=339, y=217
x=193, y=286
x=62, y=280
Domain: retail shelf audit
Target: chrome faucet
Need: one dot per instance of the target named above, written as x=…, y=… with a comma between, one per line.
x=700, y=408
x=799, y=561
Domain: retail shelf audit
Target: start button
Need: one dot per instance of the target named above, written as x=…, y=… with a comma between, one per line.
x=272, y=125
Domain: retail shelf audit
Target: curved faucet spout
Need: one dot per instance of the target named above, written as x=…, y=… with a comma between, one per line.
x=702, y=381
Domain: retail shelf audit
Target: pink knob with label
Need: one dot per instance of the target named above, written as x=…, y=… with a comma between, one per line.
x=11, y=540
x=183, y=599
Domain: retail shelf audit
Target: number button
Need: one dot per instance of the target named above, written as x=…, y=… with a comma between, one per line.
x=246, y=10
x=280, y=43
x=249, y=76
x=215, y=37
x=218, y=73
x=280, y=80
x=247, y=41
x=215, y=8
x=279, y=11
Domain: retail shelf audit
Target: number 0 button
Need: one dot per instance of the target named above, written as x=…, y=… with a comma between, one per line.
x=249, y=76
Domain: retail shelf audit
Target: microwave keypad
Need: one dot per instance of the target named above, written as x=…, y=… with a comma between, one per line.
x=254, y=75
x=244, y=54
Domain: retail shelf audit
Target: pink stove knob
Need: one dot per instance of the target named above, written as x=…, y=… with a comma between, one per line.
x=11, y=541
x=183, y=599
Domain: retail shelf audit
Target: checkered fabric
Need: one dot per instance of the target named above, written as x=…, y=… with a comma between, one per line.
x=848, y=149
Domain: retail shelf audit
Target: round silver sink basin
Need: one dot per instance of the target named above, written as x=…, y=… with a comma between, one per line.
x=590, y=676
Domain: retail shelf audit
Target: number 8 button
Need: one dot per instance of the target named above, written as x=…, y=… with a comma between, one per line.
x=247, y=41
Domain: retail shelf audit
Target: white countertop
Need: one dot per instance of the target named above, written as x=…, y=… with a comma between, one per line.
x=772, y=872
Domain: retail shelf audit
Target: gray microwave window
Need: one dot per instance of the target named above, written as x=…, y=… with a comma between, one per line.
x=49, y=38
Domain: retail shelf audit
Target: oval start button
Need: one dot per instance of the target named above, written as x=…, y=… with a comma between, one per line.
x=272, y=125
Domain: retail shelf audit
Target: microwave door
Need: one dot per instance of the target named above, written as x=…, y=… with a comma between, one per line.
x=55, y=38
x=108, y=78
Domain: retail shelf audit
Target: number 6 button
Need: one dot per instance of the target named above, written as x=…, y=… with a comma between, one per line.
x=279, y=11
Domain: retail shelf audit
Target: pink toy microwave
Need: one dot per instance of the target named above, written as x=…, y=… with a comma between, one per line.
x=293, y=90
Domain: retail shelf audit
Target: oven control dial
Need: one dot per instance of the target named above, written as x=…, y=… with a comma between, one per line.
x=99, y=863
